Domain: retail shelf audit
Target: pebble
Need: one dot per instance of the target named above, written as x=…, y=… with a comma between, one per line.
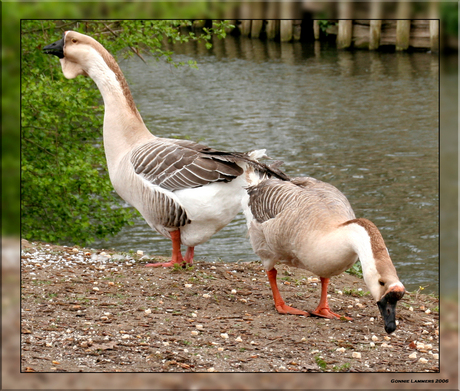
x=75, y=250
x=385, y=345
x=423, y=360
x=371, y=319
x=374, y=338
x=411, y=308
x=194, y=332
x=206, y=296
x=140, y=252
x=194, y=315
x=199, y=326
x=95, y=288
x=341, y=350
x=213, y=268
x=220, y=349
x=356, y=355
x=224, y=335
x=238, y=339
x=148, y=311
x=413, y=355
x=372, y=344
x=428, y=311
x=436, y=356
x=387, y=338
x=233, y=291
x=211, y=369
x=188, y=285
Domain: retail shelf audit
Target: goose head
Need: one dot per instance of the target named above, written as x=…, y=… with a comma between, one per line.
x=392, y=292
x=76, y=52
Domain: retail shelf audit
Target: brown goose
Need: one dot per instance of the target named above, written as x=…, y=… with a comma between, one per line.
x=310, y=224
x=184, y=190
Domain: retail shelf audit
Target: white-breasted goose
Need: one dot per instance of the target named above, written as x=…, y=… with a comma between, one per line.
x=184, y=190
x=309, y=224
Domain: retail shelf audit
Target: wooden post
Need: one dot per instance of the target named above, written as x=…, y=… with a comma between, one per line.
x=434, y=26
x=403, y=25
x=375, y=26
x=257, y=23
x=297, y=30
x=374, y=34
x=344, y=34
x=245, y=27
x=286, y=30
x=256, y=28
x=273, y=27
x=316, y=30
x=402, y=34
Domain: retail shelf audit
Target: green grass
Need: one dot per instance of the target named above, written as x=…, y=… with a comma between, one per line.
x=321, y=363
x=341, y=368
x=355, y=270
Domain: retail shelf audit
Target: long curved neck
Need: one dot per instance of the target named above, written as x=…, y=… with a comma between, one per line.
x=367, y=242
x=123, y=125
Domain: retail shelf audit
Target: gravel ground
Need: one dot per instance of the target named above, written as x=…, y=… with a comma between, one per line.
x=86, y=310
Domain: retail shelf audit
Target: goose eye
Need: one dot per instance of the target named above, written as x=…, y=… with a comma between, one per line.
x=74, y=40
x=381, y=283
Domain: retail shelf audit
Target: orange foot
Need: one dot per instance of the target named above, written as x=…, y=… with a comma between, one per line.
x=166, y=264
x=325, y=312
x=285, y=309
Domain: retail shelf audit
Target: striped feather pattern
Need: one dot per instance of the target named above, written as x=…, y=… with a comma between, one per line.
x=182, y=164
x=167, y=212
x=308, y=195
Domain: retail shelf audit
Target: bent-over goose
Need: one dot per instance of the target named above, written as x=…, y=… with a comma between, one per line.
x=310, y=224
x=184, y=190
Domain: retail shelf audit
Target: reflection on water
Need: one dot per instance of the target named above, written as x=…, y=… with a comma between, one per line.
x=366, y=122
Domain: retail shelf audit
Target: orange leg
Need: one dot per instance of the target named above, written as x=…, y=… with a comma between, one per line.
x=323, y=309
x=189, y=255
x=176, y=254
x=279, y=302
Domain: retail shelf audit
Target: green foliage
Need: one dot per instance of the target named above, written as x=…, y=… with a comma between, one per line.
x=356, y=270
x=66, y=194
x=321, y=363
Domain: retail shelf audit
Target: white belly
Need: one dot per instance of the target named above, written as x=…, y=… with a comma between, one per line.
x=210, y=208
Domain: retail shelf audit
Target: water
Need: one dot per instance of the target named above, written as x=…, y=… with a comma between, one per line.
x=365, y=122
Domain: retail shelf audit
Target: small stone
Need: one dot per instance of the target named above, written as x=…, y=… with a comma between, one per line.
x=68, y=331
x=55, y=362
x=75, y=250
x=428, y=311
x=211, y=369
x=165, y=343
x=425, y=332
x=224, y=335
x=148, y=311
x=371, y=319
x=188, y=285
x=303, y=339
x=413, y=355
x=428, y=346
x=356, y=355
x=341, y=350
x=140, y=252
x=104, y=318
x=194, y=332
x=220, y=349
x=436, y=356
x=87, y=254
x=387, y=338
x=314, y=351
x=423, y=360
x=238, y=339
x=340, y=292
x=213, y=268
x=233, y=291
x=411, y=308
x=206, y=296
x=125, y=336
x=111, y=283
x=199, y=326
x=385, y=345
x=194, y=315
x=374, y=338
x=243, y=300
x=371, y=344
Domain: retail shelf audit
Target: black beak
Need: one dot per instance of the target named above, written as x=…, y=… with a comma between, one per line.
x=387, y=307
x=56, y=48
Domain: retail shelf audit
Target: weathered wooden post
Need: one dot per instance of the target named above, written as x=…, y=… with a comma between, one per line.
x=316, y=29
x=285, y=30
x=297, y=30
x=257, y=22
x=434, y=26
x=344, y=34
x=403, y=26
x=375, y=25
x=245, y=27
x=273, y=26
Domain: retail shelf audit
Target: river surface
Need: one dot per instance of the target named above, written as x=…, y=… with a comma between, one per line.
x=365, y=122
